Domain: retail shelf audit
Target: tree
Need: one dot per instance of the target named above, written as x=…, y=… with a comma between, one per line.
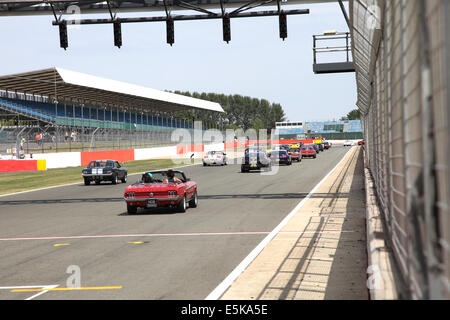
x=354, y=115
x=240, y=112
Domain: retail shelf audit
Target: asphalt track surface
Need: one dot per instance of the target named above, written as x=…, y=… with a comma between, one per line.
x=153, y=254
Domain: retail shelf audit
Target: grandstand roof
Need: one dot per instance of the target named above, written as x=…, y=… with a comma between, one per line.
x=65, y=84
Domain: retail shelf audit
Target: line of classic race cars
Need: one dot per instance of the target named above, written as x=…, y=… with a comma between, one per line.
x=256, y=157
x=171, y=188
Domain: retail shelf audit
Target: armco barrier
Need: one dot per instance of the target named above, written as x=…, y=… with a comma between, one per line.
x=22, y=165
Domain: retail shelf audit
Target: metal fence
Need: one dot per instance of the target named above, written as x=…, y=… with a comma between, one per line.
x=401, y=50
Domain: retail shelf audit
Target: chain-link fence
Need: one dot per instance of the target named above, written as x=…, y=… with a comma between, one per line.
x=401, y=49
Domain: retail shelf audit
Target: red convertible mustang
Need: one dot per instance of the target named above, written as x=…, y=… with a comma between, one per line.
x=162, y=189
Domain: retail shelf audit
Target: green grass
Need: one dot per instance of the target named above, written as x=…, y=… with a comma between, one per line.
x=23, y=181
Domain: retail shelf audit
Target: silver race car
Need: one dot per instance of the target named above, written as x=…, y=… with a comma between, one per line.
x=215, y=158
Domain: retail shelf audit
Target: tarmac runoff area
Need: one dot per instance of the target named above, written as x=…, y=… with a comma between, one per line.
x=320, y=253
x=46, y=235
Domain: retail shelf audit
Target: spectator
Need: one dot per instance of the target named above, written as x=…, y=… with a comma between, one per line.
x=38, y=139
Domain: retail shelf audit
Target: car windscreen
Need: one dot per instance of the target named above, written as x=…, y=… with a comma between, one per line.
x=159, y=177
x=98, y=164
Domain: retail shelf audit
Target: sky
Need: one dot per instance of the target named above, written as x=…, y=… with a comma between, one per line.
x=255, y=63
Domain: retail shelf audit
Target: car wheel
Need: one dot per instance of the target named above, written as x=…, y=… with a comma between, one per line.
x=193, y=203
x=124, y=180
x=204, y=164
x=182, y=205
x=131, y=209
x=87, y=182
x=114, y=179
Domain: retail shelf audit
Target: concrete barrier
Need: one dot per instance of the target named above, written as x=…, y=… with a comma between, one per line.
x=22, y=165
x=214, y=147
x=60, y=160
x=76, y=159
x=154, y=153
x=119, y=155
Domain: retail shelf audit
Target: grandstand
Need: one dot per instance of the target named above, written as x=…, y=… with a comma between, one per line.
x=331, y=130
x=103, y=113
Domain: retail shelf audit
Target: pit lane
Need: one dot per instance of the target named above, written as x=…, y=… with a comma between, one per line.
x=153, y=254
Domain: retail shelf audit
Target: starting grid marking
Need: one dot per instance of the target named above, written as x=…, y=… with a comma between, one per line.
x=194, y=234
x=41, y=289
x=46, y=288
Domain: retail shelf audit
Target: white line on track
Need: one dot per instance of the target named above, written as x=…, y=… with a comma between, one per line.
x=228, y=281
x=135, y=235
x=75, y=183
x=31, y=287
x=41, y=292
x=190, y=234
x=22, y=287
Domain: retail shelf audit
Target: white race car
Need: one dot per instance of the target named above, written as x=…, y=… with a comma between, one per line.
x=215, y=158
x=348, y=143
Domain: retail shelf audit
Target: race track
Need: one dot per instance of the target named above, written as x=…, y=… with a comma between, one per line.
x=150, y=255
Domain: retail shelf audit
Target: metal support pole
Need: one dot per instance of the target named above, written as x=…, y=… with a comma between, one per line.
x=347, y=35
x=18, y=143
x=344, y=12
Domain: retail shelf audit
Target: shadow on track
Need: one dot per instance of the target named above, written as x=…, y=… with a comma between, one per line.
x=270, y=196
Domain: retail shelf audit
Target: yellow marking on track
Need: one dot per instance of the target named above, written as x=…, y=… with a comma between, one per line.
x=136, y=242
x=61, y=244
x=67, y=289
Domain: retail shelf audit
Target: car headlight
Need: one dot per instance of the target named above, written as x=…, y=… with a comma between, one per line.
x=130, y=195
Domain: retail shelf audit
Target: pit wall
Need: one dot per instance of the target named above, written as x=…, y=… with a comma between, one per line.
x=76, y=159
